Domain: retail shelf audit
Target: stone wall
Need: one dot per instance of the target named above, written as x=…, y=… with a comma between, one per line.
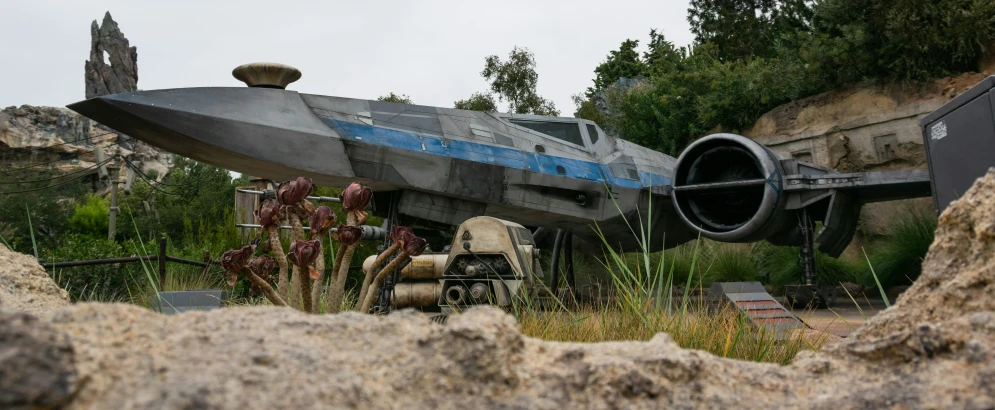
x=869, y=128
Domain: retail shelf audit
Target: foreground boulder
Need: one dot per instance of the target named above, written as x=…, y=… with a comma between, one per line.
x=933, y=349
x=26, y=287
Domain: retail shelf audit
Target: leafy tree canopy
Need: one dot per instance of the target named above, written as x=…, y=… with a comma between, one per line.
x=477, y=102
x=395, y=98
x=515, y=80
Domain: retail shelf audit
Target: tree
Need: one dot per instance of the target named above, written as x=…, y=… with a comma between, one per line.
x=477, y=102
x=395, y=98
x=515, y=81
x=621, y=63
x=746, y=28
x=662, y=57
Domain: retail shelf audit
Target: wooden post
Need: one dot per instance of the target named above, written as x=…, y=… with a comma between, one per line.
x=114, y=210
x=207, y=263
x=162, y=262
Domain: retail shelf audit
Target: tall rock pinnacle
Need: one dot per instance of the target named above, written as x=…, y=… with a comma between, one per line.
x=121, y=75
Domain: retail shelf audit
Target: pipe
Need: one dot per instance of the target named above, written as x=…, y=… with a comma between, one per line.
x=425, y=266
x=417, y=294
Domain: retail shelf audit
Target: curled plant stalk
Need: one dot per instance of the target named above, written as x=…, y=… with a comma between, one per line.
x=268, y=216
x=355, y=198
x=239, y=261
x=348, y=237
x=381, y=258
x=410, y=245
x=297, y=279
x=321, y=222
x=319, y=266
x=302, y=255
x=291, y=196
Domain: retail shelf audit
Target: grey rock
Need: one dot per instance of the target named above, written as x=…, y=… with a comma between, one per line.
x=36, y=364
x=26, y=287
x=121, y=75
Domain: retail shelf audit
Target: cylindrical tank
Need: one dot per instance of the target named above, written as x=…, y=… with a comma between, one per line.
x=426, y=266
x=417, y=294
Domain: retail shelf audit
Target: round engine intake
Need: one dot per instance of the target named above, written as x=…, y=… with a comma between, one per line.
x=729, y=188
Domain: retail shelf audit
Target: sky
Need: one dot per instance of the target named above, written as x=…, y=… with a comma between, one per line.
x=433, y=51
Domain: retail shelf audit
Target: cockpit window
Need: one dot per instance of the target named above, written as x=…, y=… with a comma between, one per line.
x=592, y=132
x=566, y=131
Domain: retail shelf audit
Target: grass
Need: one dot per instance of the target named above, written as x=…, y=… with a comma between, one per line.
x=897, y=256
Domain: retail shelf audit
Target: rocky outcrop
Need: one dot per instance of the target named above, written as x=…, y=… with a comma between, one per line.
x=858, y=128
x=932, y=350
x=26, y=287
x=66, y=140
x=119, y=73
x=861, y=128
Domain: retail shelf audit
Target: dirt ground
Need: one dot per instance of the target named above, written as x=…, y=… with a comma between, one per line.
x=842, y=318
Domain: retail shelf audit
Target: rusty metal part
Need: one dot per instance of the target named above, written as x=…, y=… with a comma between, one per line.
x=416, y=294
x=266, y=75
x=479, y=292
x=426, y=266
x=456, y=295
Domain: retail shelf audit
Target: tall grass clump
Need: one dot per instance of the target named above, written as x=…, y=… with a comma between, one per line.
x=897, y=256
x=653, y=294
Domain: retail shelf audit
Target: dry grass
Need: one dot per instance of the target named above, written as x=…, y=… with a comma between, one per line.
x=725, y=334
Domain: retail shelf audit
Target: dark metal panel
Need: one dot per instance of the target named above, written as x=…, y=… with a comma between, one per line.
x=967, y=96
x=419, y=119
x=961, y=147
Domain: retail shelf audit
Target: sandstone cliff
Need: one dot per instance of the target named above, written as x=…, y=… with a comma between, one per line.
x=32, y=135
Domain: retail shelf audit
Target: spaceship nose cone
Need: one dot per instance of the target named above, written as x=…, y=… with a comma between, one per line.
x=258, y=131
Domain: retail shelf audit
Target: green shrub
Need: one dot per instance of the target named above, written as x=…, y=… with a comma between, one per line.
x=730, y=262
x=102, y=282
x=91, y=217
x=782, y=265
x=897, y=257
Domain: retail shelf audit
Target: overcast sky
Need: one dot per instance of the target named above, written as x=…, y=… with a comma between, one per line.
x=432, y=51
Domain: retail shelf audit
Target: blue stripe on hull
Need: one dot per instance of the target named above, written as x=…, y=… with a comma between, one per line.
x=490, y=154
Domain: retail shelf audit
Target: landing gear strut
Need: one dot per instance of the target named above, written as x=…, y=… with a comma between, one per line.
x=808, y=294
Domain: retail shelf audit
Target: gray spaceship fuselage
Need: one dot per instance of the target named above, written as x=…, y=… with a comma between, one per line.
x=449, y=165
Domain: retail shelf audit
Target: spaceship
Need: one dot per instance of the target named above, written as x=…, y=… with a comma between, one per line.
x=445, y=165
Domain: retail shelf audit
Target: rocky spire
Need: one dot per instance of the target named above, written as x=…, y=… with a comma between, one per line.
x=122, y=74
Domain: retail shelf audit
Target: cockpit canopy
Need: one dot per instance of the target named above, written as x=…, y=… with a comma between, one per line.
x=570, y=130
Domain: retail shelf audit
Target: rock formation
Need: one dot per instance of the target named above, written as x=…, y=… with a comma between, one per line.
x=61, y=138
x=932, y=350
x=26, y=287
x=121, y=75
x=861, y=128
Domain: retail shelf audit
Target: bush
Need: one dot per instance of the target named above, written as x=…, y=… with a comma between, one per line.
x=91, y=217
x=103, y=282
x=897, y=257
x=782, y=265
x=50, y=206
x=688, y=92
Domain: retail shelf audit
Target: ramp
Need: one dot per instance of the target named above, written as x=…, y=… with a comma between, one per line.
x=759, y=306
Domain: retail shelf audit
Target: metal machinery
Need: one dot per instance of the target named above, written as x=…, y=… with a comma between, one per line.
x=960, y=139
x=445, y=166
x=491, y=261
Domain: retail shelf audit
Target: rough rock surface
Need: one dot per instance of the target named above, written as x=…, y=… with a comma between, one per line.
x=36, y=364
x=933, y=349
x=121, y=75
x=61, y=138
x=26, y=287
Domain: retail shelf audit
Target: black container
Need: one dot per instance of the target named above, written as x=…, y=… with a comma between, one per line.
x=960, y=142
